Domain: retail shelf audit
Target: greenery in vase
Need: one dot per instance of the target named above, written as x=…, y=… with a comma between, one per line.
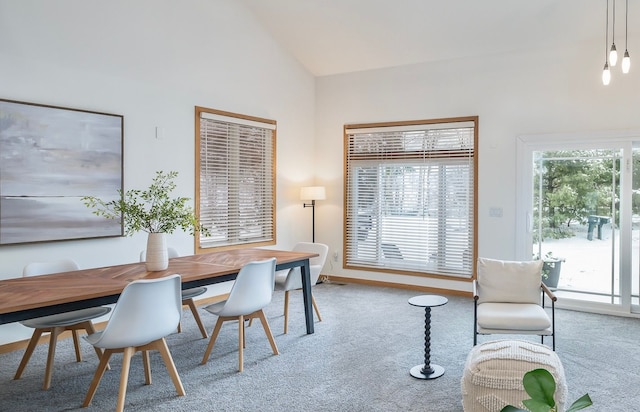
x=151, y=210
x=541, y=386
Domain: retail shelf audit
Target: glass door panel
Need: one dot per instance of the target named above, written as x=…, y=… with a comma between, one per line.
x=576, y=198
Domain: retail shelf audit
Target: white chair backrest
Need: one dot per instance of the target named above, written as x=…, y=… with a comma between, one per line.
x=252, y=289
x=147, y=310
x=45, y=268
x=171, y=252
x=294, y=281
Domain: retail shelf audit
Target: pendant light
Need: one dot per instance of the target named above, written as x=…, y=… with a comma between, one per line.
x=613, y=53
x=606, y=73
x=626, y=60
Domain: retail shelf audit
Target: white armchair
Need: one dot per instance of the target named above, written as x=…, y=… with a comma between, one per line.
x=509, y=299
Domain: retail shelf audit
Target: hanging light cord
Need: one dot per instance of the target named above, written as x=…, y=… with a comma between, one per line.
x=606, y=37
x=626, y=23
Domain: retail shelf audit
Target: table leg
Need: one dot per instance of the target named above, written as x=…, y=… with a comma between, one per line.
x=305, y=272
x=427, y=370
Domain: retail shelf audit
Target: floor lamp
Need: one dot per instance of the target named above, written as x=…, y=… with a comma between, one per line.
x=312, y=193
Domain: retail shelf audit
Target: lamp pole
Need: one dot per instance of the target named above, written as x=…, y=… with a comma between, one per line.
x=312, y=205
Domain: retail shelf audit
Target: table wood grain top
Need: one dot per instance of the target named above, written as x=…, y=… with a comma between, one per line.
x=25, y=293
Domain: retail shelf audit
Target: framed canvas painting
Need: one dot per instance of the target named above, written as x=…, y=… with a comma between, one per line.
x=50, y=157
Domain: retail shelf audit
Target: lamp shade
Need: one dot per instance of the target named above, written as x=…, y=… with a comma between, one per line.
x=312, y=193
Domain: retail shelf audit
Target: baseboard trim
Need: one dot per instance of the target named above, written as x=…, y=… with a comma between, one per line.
x=428, y=289
x=22, y=344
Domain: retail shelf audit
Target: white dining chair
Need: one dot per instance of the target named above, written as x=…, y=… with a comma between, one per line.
x=188, y=295
x=157, y=306
x=58, y=323
x=290, y=279
x=250, y=294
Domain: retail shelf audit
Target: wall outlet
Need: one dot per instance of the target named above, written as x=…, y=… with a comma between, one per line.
x=335, y=256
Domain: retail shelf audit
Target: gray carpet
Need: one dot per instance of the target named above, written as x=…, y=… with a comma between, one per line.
x=358, y=360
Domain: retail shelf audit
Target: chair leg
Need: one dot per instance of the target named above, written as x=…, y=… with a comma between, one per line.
x=48, y=371
x=192, y=305
x=214, y=335
x=241, y=343
x=161, y=346
x=33, y=342
x=88, y=327
x=76, y=343
x=124, y=377
x=267, y=331
x=286, y=312
x=315, y=306
x=102, y=366
x=147, y=367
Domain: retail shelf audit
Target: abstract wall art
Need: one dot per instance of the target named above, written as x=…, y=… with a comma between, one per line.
x=50, y=157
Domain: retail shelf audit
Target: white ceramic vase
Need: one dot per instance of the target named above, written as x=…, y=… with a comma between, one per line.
x=157, y=256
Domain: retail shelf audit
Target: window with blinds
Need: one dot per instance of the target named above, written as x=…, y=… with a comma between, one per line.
x=235, y=193
x=410, y=197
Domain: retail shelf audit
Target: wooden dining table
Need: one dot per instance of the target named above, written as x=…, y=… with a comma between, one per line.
x=29, y=297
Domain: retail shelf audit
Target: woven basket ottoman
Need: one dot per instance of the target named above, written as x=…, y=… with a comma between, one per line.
x=493, y=372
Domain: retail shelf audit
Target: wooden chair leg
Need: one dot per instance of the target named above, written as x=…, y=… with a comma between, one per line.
x=124, y=377
x=102, y=366
x=240, y=343
x=161, y=346
x=286, y=312
x=88, y=327
x=214, y=335
x=33, y=342
x=48, y=371
x=315, y=306
x=267, y=331
x=147, y=367
x=76, y=343
x=194, y=309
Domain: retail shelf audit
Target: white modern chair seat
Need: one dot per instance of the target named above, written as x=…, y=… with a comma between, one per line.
x=250, y=294
x=187, y=295
x=56, y=324
x=146, y=312
x=67, y=318
x=288, y=280
x=192, y=293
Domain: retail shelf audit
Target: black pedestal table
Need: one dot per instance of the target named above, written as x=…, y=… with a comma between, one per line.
x=427, y=370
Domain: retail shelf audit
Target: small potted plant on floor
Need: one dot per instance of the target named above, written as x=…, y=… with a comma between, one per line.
x=152, y=211
x=551, y=270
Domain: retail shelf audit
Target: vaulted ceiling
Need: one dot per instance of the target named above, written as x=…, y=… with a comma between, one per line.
x=339, y=36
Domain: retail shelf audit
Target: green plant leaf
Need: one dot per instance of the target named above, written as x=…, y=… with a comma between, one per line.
x=510, y=408
x=541, y=386
x=150, y=210
x=535, y=405
x=581, y=403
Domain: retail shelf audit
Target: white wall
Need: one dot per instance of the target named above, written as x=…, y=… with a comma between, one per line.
x=153, y=61
x=537, y=92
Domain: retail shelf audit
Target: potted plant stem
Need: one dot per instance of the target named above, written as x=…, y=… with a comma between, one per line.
x=152, y=211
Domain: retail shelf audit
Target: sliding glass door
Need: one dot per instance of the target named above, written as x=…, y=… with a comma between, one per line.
x=579, y=211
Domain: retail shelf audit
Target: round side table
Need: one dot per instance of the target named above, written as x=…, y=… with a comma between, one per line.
x=427, y=370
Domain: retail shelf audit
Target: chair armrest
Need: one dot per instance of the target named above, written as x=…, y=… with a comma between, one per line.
x=475, y=290
x=548, y=292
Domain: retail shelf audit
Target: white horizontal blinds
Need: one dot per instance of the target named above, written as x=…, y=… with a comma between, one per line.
x=410, y=198
x=236, y=181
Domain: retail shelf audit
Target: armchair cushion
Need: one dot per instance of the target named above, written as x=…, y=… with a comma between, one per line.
x=509, y=281
x=513, y=317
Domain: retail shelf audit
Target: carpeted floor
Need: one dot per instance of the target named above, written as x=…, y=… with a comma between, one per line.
x=358, y=360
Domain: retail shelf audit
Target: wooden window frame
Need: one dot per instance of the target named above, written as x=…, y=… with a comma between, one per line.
x=244, y=120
